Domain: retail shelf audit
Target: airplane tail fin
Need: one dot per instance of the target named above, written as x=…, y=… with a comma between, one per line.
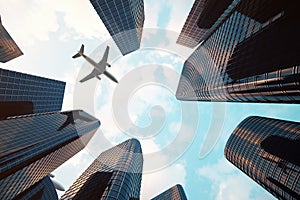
x=81, y=48
x=79, y=52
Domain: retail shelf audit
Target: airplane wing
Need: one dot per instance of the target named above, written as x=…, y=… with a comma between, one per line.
x=91, y=75
x=105, y=55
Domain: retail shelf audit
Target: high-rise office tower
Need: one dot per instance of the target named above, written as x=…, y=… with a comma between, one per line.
x=32, y=146
x=203, y=15
x=22, y=94
x=191, y=34
x=8, y=48
x=250, y=54
x=266, y=150
x=174, y=193
x=115, y=174
x=41, y=190
x=124, y=20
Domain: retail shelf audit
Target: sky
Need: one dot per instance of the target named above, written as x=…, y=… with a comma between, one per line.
x=183, y=142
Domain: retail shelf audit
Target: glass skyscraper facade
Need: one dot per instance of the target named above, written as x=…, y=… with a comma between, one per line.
x=22, y=94
x=124, y=20
x=42, y=190
x=174, y=193
x=115, y=174
x=191, y=34
x=267, y=151
x=8, y=48
x=32, y=146
x=250, y=53
x=204, y=16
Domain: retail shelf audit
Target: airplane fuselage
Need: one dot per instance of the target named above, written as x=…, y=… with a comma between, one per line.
x=97, y=66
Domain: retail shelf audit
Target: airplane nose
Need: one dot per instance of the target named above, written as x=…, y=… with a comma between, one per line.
x=111, y=77
x=115, y=80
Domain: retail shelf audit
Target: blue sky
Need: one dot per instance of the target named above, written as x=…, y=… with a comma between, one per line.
x=50, y=32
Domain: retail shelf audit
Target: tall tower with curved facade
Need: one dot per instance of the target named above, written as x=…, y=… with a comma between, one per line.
x=191, y=34
x=249, y=53
x=115, y=174
x=267, y=151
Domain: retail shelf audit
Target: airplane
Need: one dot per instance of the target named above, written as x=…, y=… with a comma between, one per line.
x=99, y=68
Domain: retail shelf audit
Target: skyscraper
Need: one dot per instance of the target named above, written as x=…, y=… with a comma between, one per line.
x=124, y=20
x=22, y=94
x=250, y=54
x=203, y=15
x=266, y=150
x=8, y=48
x=42, y=190
x=174, y=193
x=191, y=34
x=32, y=146
x=115, y=174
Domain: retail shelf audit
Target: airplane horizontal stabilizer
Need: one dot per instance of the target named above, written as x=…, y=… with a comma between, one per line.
x=79, y=52
x=76, y=55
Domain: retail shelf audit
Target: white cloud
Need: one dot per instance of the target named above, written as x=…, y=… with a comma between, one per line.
x=68, y=97
x=69, y=77
x=234, y=187
x=149, y=146
x=38, y=18
x=27, y=20
x=156, y=183
x=81, y=16
x=178, y=13
x=78, y=159
x=230, y=184
x=151, y=9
